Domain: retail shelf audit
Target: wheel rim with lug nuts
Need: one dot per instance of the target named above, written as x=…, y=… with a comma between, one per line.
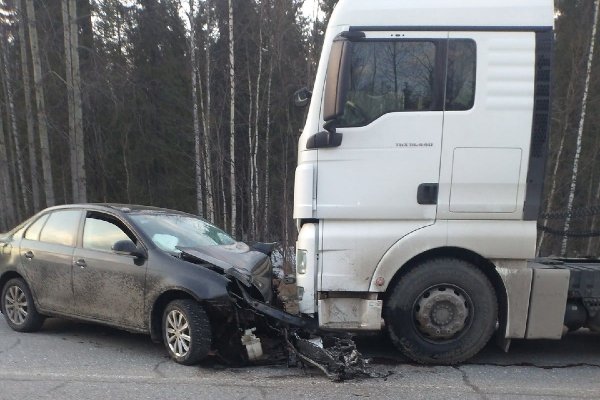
x=16, y=305
x=178, y=333
x=442, y=312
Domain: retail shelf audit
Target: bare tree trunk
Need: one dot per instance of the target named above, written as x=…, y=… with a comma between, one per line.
x=200, y=165
x=10, y=108
x=124, y=148
x=207, y=117
x=223, y=194
x=286, y=194
x=251, y=147
x=594, y=223
x=552, y=187
x=41, y=105
x=266, y=206
x=207, y=159
x=567, y=225
x=12, y=173
x=232, y=180
x=566, y=122
x=312, y=47
x=254, y=149
x=35, y=189
x=594, y=200
x=5, y=184
x=73, y=78
x=591, y=198
x=78, y=108
x=70, y=100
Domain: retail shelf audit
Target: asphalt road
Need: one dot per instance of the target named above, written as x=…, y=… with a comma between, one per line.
x=69, y=360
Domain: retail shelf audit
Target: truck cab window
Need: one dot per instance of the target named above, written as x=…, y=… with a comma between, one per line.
x=390, y=76
x=460, y=81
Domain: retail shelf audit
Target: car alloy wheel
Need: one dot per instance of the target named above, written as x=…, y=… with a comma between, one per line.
x=186, y=331
x=178, y=333
x=16, y=305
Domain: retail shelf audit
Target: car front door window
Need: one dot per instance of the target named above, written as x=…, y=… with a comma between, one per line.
x=101, y=235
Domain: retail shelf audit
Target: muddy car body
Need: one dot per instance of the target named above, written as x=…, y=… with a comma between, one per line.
x=135, y=268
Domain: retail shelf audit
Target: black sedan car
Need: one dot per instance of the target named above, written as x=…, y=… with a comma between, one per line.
x=142, y=269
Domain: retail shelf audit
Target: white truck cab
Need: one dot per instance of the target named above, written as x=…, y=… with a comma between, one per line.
x=420, y=173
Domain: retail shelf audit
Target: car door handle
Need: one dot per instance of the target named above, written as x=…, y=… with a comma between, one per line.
x=81, y=263
x=29, y=255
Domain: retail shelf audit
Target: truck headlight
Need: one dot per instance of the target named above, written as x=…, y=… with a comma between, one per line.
x=301, y=261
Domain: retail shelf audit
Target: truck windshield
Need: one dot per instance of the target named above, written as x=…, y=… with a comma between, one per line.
x=170, y=231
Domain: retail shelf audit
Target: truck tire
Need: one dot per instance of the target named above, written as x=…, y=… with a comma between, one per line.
x=18, y=307
x=186, y=331
x=443, y=311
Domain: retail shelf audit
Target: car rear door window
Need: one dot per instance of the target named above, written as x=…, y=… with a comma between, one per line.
x=61, y=227
x=33, y=232
x=102, y=234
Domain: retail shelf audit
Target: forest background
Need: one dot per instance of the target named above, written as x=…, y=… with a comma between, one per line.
x=187, y=104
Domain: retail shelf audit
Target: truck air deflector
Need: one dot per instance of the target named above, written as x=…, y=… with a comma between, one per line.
x=454, y=28
x=540, y=131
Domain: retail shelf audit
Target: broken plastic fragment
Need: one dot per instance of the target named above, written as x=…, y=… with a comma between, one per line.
x=253, y=345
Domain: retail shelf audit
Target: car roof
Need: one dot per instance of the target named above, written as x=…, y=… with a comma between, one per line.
x=118, y=207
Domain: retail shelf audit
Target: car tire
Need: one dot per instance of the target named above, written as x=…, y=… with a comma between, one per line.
x=18, y=307
x=186, y=331
x=443, y=311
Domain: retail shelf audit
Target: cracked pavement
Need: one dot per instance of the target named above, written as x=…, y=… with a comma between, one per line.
x=69, y=360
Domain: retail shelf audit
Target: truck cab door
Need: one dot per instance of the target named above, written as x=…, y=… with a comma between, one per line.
x=381, y=182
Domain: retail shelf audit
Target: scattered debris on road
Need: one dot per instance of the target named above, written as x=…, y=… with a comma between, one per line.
x=337, y=357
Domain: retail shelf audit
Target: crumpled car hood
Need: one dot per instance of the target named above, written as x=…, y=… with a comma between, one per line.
x=249, y=266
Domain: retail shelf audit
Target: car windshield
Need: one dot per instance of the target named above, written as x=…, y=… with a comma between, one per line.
x=170, y=231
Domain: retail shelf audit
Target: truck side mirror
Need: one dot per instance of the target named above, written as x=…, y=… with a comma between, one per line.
x=338, y=77
x=302, y=97
x=324, y=140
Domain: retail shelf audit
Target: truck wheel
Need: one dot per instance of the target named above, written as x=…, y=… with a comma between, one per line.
x=186, y=331
x=444, y=311
x=18, y=307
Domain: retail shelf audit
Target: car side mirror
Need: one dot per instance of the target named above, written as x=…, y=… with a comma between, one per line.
x=127, y=248
x=302, y=97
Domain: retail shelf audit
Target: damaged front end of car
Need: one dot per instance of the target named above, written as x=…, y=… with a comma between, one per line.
x=259, y=329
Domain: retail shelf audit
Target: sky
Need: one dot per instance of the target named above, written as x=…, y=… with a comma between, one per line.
x=310, y=7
